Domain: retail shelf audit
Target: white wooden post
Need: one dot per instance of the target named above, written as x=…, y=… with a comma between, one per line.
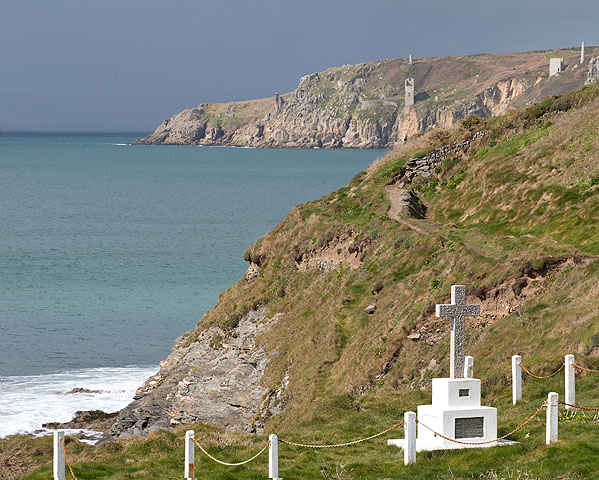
x=189, y=455
x=409, y=453
x=570, y=396
x=58, y=464
x=469, y=367
x=516, y=378
x=273, y=458
x=552, y=416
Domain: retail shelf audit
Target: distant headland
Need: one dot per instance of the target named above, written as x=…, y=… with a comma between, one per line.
x=383, y=103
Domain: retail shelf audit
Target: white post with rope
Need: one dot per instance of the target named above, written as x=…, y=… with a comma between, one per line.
x=570, y=396
x=189, y=455
x=468, y=367
x=552, y=417
x=516, y=378
x=409, y=453
x=59, y=457
x=273, y=457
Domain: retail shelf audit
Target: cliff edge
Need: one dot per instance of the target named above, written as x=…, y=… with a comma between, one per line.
x=363, y=106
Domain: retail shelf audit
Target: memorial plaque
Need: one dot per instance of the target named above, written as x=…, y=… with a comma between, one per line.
x=471, y=427
x=464, y=392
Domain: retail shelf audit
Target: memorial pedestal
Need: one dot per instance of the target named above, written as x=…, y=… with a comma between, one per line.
x=456, y=413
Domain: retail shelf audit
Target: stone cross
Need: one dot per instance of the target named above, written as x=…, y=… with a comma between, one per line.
x=458, y=310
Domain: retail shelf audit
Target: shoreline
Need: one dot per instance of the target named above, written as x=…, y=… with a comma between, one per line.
x=86, y=400
x=88, y=426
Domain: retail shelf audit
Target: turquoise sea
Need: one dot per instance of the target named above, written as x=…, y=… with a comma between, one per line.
x=108, y=252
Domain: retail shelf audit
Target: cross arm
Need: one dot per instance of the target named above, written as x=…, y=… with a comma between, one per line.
x=445, y=310
x=472, y=310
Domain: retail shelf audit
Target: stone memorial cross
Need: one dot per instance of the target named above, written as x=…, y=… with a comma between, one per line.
x=458, y=310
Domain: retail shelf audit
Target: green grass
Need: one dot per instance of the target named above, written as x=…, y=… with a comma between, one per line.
x=344, y=418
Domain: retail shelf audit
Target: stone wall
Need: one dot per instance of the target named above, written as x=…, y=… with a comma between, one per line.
x=425, y=166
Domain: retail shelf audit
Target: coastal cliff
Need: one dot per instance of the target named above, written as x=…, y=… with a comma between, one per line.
x=362, y=106
x=337, y=304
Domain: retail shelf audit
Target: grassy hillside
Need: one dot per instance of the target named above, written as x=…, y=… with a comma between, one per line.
x=514, y=217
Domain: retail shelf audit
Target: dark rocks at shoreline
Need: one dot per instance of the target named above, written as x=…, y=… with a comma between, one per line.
x=81, y=390
x=96, y=420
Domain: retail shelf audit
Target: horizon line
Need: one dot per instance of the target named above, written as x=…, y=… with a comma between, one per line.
x=72, y=132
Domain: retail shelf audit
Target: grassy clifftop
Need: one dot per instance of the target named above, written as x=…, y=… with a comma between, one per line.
x=513, y=215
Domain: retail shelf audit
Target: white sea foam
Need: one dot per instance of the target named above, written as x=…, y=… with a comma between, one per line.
x=26, y=402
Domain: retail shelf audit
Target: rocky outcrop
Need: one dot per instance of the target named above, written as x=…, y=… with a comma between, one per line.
x=338, y=250
x=92, y=423
x=593, y=73
x=496, y=100
x=362, y=106
x=217, y=378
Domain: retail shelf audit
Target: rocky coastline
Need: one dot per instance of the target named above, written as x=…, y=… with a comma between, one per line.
x=363, y=106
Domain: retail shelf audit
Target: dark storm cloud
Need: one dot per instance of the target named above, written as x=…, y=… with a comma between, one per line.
x=128, y=64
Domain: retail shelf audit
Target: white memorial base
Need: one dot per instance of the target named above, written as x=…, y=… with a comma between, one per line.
x=456, y=413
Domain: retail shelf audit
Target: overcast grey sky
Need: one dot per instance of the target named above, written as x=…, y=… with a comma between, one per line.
x=126, y=65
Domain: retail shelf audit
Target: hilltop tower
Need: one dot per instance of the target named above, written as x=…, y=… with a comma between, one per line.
x=582, y=53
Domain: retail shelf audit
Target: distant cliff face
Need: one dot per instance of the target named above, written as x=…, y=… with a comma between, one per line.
x=362, y=106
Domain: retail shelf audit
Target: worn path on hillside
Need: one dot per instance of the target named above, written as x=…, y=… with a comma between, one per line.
x=399, y=200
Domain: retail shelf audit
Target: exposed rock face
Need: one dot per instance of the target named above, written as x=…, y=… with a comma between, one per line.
x=339, y=250
x=496, y=100
x=362, y=106
x=214, y=379
x=593, y=73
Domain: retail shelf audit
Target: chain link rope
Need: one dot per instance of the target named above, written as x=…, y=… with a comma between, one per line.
x=346, y=444
x=585, y=369
x=66, y=456
x=227, y=463
x=578, y=406
x=520, y=427
x=541, y=376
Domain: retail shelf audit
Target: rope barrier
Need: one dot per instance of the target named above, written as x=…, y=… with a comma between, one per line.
x=545, y=376
x=66, y=456
x=585, y=369
x=488, y=441
x=231, y=464
x=578, y=406
x=347, y=444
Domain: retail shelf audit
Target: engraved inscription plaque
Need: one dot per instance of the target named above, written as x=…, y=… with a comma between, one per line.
x=471, y=427
x=464, y=392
